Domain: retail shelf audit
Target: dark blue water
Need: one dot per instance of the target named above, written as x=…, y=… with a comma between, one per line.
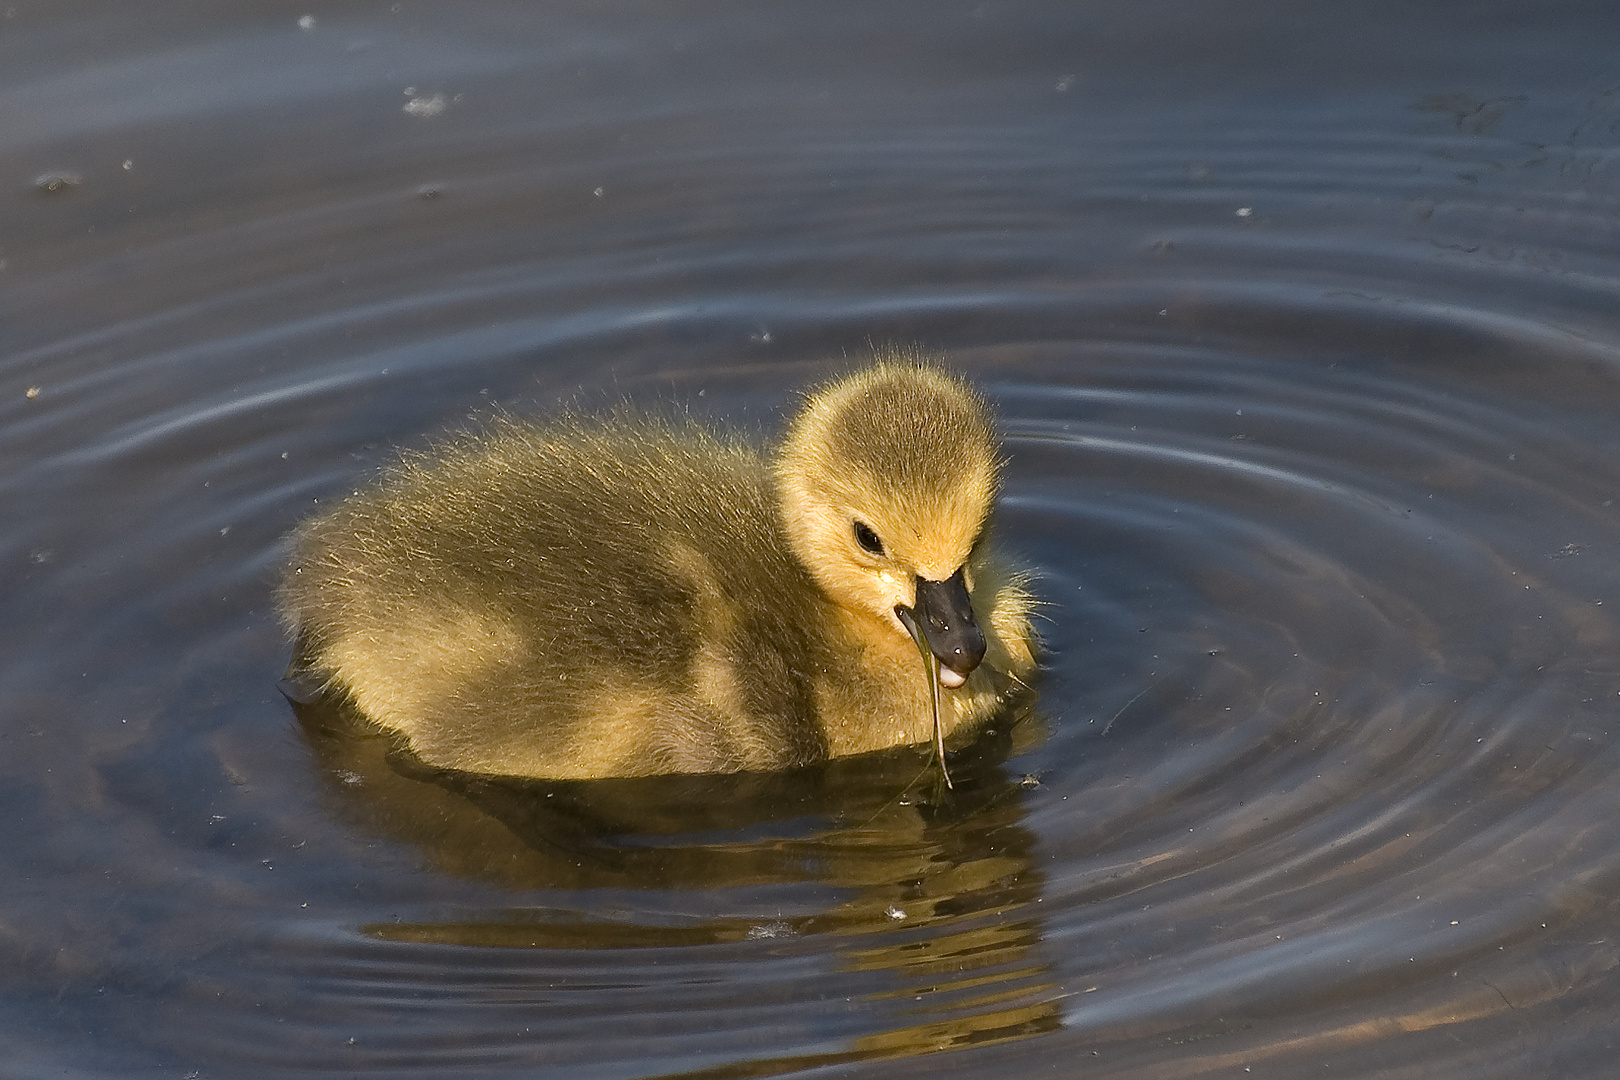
x=1302, y=324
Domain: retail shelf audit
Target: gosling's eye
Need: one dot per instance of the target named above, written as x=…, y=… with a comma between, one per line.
x=869, y=540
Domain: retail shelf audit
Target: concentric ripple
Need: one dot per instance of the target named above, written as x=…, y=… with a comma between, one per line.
x=1377, y=618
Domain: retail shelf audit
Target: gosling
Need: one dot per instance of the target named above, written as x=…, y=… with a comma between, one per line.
x=644, y=595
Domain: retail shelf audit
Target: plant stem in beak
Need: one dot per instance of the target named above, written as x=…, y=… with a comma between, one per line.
x=931, y=671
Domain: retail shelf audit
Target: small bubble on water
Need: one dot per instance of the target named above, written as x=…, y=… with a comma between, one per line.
x=1245, y=211
x=424, y=107
x=306, y=22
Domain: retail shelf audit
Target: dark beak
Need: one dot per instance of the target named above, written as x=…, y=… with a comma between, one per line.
x=943, y=617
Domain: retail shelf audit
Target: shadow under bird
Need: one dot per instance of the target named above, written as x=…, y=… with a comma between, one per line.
x=639, y=595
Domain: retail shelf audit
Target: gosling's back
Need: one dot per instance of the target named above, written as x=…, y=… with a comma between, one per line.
x=570, y=601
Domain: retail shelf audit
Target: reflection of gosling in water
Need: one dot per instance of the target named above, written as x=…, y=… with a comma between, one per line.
x=638, y=596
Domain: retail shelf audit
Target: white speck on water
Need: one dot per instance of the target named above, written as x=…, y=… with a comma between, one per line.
x=1065, y=83
x=777, y=929
x=425, y=106
x=31, y=393
x=54, y=182
x=894, y=913
x=1245, y=211
x=306, y=22
x=129, y=164
x=599, y=192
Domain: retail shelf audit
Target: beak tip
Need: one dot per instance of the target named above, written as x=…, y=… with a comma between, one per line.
x=943, y=620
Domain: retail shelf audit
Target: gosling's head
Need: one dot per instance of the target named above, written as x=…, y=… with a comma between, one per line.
x=886, y=480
